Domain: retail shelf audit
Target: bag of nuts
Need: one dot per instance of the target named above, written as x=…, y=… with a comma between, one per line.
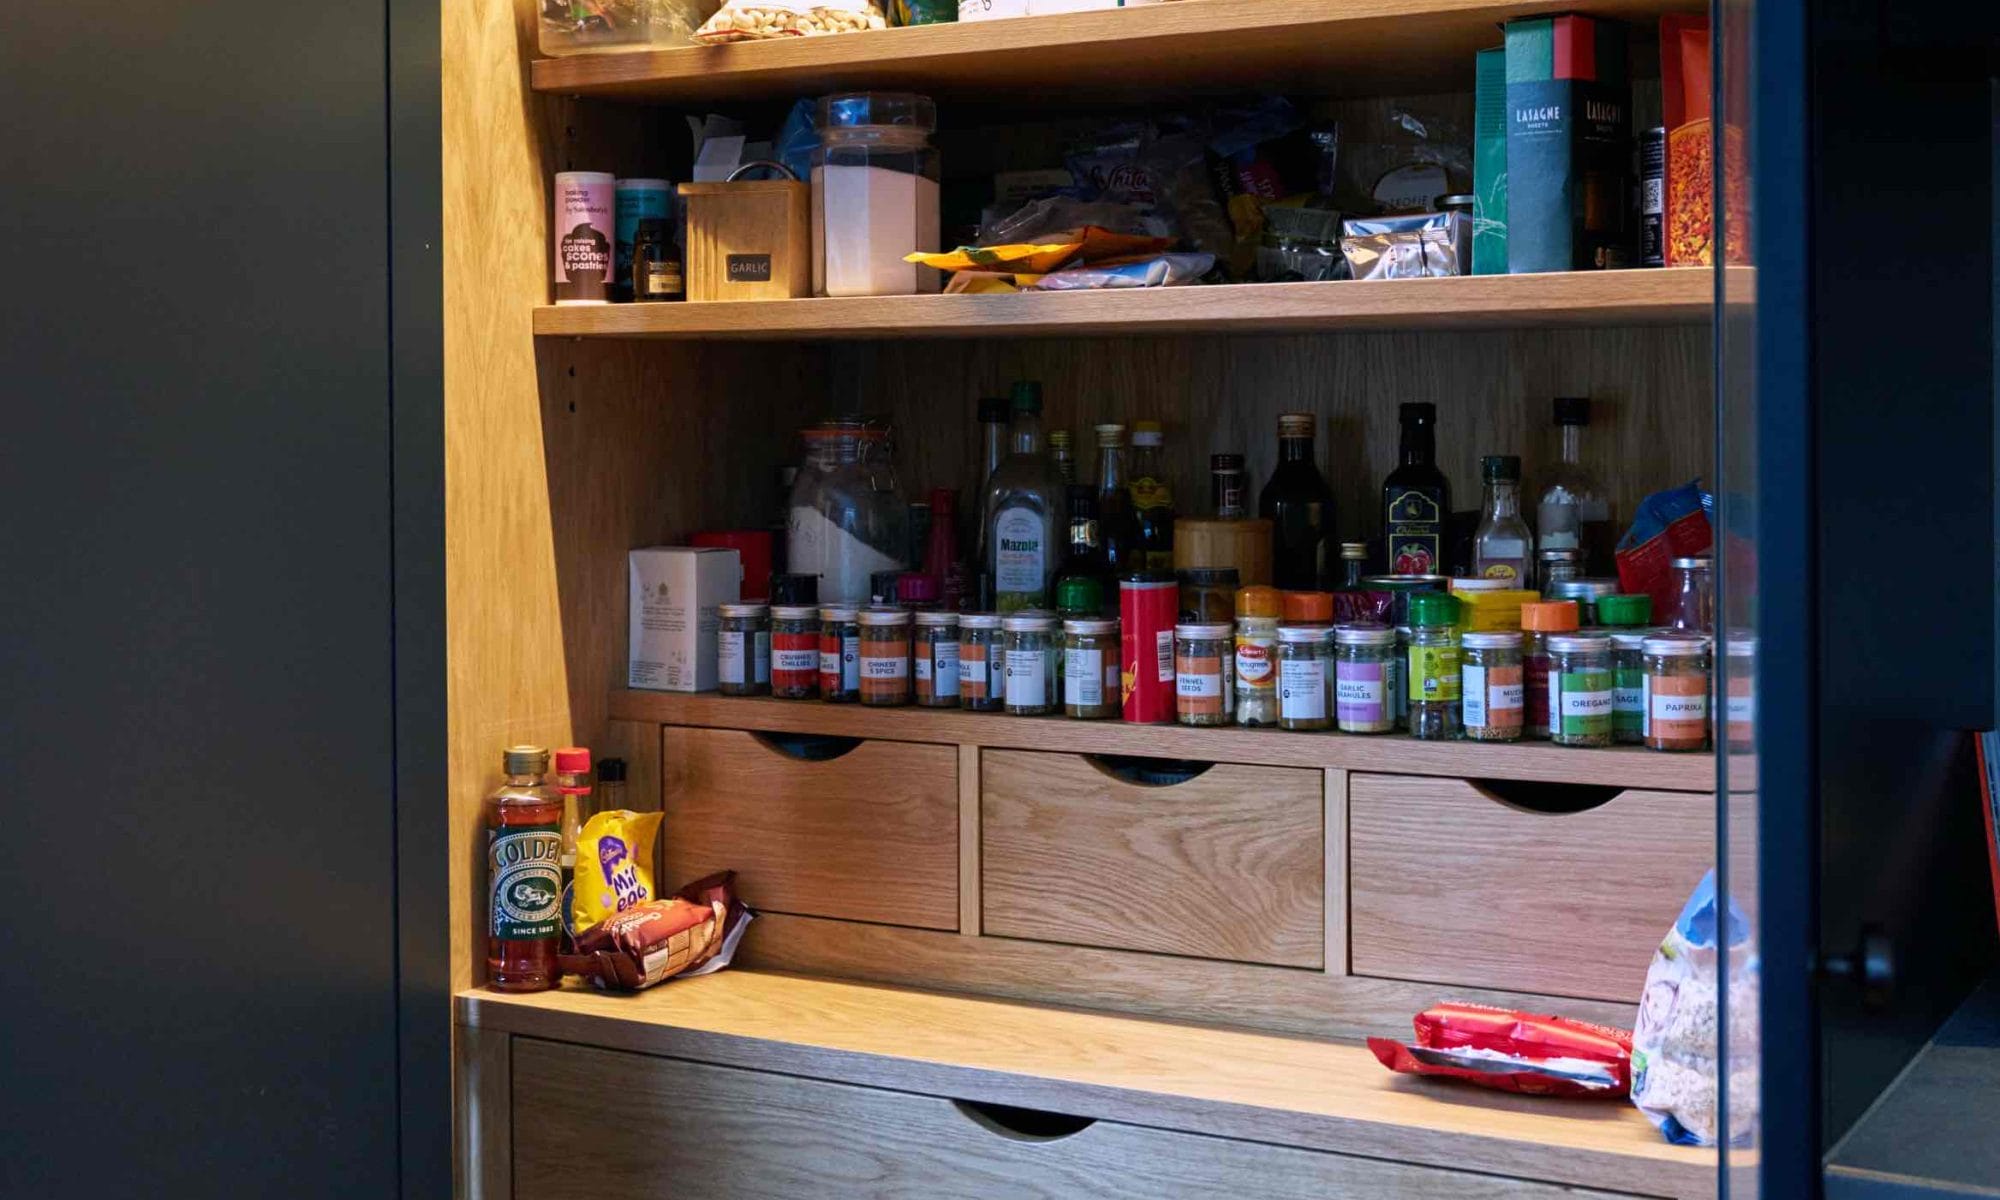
x=754, y=20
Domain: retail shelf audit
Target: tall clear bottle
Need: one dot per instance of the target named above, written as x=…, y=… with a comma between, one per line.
x=1299, y=506
x=1500, y=546
x=523, y=874
x=1575, y=511
x=1024, y=512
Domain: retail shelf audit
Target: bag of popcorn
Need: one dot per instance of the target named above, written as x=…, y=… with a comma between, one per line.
x=1677, y=1046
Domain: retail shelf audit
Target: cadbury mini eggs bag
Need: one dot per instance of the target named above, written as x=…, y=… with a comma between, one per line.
x=614, y=866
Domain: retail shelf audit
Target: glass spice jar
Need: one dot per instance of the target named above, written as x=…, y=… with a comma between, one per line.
x=1208, y=594
x=1739, y=705
x=1693, y=605
x=1257, y=667
x=1580, y=694
x=794, y=651
x=1676, y=683
x=934, y=655
x=885, y=656
x=982, y=662
x=1540, y=620
x=1555, y=566
x=743, y=649
x=1399, y=672
x=1204, y=686
x=1492, y=686
x=1434, y=667
x=1090, y=668
x=840, y=654
x=1625, y=611
x=1031, y=663
x=1587, y=593
x=1628, y=685
x=1302, y=678
x=1365, y=672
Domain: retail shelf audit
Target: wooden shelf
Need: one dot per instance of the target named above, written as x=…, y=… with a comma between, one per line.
x=1624, y=767
x=1318, y=47
x=1258, y=1087
x=1469, y=302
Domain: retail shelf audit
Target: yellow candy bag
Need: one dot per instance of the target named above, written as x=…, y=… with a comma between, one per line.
x=614, y=866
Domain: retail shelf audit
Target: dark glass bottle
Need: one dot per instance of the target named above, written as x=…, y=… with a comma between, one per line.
x=657, y=274
x=1117, y=520
x=1082, y=585
x=1299, y=505
x=1416, y=499
x=1152, y=496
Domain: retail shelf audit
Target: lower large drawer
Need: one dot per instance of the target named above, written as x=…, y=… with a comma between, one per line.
x=694, y=1130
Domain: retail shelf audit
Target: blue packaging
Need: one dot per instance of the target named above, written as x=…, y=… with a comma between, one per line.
x=637, y=200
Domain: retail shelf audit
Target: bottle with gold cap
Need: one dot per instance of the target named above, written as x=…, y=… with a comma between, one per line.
x=524, y=844
x=1152, y=497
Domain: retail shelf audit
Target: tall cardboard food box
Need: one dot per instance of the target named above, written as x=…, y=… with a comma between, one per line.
x=675, y=591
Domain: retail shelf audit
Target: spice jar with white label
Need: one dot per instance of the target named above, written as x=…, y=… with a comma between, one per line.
x=934, y=657
x=982, y=662
x=1204, y=681
x=1302, y=678
x=885, y=657
x=1676, y=687
x=840, y=654
x=794, y=651
x=1365, y=674
x=1031, y=663
x=1491, y=686
x=1628, y=683
x=1580, y=689
x=743, y=649
x=1090, y=668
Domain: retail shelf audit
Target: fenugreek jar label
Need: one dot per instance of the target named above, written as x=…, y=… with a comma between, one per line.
x=525, y=864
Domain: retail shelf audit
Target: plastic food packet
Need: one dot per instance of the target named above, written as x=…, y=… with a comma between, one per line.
x=614, y=856
x=1160, y=270
x=693, y=932
x=1089, y=244
x=1677, y=1047
x=755, y=20
x=1513, y=1052
x=1669, y=525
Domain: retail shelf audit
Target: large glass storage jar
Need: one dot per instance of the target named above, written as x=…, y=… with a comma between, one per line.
x=845, y=521
x=874, y=195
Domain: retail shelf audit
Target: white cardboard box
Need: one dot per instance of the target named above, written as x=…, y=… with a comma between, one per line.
x=673, y=624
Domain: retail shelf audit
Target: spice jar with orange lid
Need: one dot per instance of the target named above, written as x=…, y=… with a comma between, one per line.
x=1538, y=621
x=1676, y=691
x=1259, y=601
x=885, y=656
x=1306, y=608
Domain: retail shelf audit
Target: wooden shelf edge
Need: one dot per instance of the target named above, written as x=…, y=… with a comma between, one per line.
x=1624, y=767
x=1259, y=1087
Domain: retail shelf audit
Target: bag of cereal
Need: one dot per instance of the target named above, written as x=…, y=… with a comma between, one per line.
x=1678, y=1049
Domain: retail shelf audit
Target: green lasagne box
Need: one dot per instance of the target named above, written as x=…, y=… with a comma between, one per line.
x=1569, y=146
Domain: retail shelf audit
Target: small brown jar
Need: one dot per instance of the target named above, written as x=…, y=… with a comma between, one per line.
x=885, y=657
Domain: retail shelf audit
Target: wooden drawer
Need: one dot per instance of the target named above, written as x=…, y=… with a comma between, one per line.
x=690, y=1129
x=1229, y=864
x=1451, y=884
x=868, y=835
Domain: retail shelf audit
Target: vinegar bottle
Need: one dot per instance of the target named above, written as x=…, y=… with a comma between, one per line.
x=524, y=874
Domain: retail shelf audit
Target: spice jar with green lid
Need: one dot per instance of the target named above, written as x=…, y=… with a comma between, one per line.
x=1365, y=674
x=1031, y=663
x=1628, y=686
x=1302, y=678
x=1580, y=689
x=1624, y=611
x=1434, y=666
x=1090, y=668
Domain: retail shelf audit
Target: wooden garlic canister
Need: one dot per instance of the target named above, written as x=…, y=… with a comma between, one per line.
x=749, y=239
x=1207, y=542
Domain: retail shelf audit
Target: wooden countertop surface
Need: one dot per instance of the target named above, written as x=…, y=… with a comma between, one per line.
x=1260, y=1087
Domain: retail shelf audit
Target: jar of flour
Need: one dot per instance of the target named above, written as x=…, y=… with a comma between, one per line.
x=874, y=195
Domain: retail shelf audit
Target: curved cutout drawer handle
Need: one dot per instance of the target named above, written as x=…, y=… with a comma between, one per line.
x=1022, y=1124
x=1538, y=796
x=807, y=747
x=1148, y=772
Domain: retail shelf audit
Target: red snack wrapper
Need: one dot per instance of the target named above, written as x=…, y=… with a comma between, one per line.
x=1669, y=525
x=1514, y=1052
x=692, y=932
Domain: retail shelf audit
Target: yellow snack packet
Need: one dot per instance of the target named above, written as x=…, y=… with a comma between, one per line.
x=1089, y=244
x=614, y=866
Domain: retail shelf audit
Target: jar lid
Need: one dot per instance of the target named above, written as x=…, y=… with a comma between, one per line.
x=1629, y=640
x=1109, y=434
x=1204, y=632
x=1090, y=625
x=1363, y=635
x=884, y=615
x=1627, y=610
x=1302, y=634
x=934, y=617
x=1433, y=608
x=1500, y=468
x=1404, y=583
x=1140, y=581
x=979, y=620
x=1580, y=643
x=1033, y=620
x=1744, y=646
x=1481, y=584
x=525, y=760
x=741, y=610
x=838, y=612
x=1210, y=576
x=856, y=110
x=1549, y=616
x=793, y=612
x=1307, y=606
x=1245, y=625
x=1147, y=433
x=1701, y=563
x=1559, y=554
x=1225, y=462
x=1584, y=589
x=1676, y=644
x=1257, y=600
x=1505, y=639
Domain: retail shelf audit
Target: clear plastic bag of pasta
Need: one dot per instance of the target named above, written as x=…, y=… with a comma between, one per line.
x=757, y=20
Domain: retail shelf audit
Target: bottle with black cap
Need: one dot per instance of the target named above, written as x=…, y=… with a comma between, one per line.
x=1416, y=499
x=1575, y=510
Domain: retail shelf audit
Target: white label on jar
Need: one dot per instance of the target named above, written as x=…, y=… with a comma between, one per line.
x=1509, y=696
x=1083, y=677
x=924, y=667
x=1253, y=663
x=1027, y=675
x=1163, y=645
x=1585, y=704
x=1472, y=702
x=850, y=663
x=1302, y=689
x=729, y=657
x=1666, y=707
x=1741, y=708
x=973, y=670
x=1629, y=700
x=942, y=664
x=1198, y=686
x=763, y=657
x=829, y=662
x=887, y=666
x=1019, y=554
x=1358, y=691
x=799, y=660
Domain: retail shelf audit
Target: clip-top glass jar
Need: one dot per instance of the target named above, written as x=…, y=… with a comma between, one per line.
x=1676, y=683
x=1580, y=689
x=1204, y=681
x=794, y=651
x=934, y=654
x=1434, y=666
x=982, y=662
x=1493, y=686
x=840, y=654
x=874, y=194
x=844, y=520
x=1031, y=663
x=1365, y=671
x=743, y=649
x=885, y=657
x=1302, y=678
x=1090, y=668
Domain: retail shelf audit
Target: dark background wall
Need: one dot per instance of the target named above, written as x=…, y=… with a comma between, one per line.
x=197, y=671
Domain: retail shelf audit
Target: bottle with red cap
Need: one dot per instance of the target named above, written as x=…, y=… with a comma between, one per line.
x=573, y=785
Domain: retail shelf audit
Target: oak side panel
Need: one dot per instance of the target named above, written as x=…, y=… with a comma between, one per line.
x=482, y=1114
x=872, y=835
x=1336, y=871
x=759, y=1136
x=1454, y=886
x=1229, y=864
x=969, y=844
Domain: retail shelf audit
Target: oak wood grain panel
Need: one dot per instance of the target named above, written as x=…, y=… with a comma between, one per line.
x=1206, y=991
x=1287, y=1091
x=1584, y=298
x=1229, y=864
x=1615, y=767
x=869, y=836
x=1312, y=46
x=1453, y=886
x=761, y=1136
x=482, y=1114
x=1336, y=870
x=968, y=841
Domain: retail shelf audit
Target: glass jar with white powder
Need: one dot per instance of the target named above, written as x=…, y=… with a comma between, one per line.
x=874, y=195
x=845, y=520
